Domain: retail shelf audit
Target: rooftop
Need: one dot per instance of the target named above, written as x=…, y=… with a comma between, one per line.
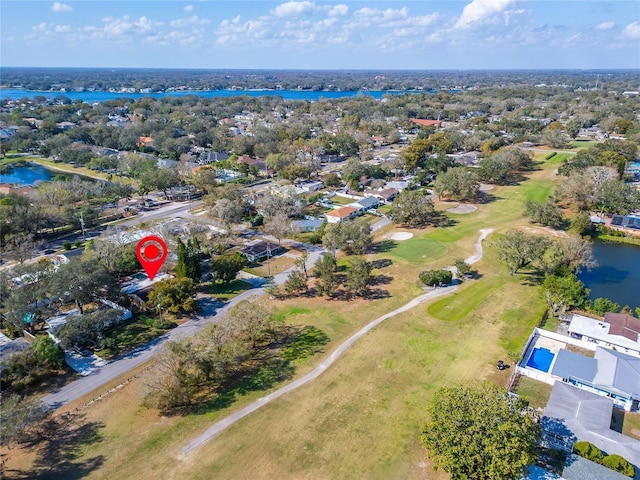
x=343, y=212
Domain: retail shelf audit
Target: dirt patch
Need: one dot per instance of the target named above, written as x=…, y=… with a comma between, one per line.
x=401, y=236
x=546, y=231
x=462, y=209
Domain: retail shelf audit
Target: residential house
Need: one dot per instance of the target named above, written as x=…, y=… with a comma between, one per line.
x=423, y=122
x=386, y=195
x=626, y=224
x=259, y=163
x=573, y=414
x=309, y=186
x=8, y=348
x=342, y=214
x=306, y=225
x=617, y=331
x=146, y=142
x=365, y=203
x=397, y=184
x=261, y=249
x=608, y=373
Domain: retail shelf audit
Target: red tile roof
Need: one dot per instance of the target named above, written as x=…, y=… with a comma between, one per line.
x=423, y=122
x=343, y=212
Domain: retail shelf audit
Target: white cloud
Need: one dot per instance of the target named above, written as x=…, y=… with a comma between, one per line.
x=62, y=28
x=605, y=26
x=632, y=31
x=187, y=22
x=480, y=10
x=61, y=7
x=293, y=9
x=188, y=8
x=338, y=10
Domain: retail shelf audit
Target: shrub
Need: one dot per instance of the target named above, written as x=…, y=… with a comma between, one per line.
x=619, y=464
x=436, y=277
x=551, y=155
x=588, y=451
x=66, y=245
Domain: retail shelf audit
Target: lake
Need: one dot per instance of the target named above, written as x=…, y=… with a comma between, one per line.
x=93, y=97
x=27, y=175
x=617, y=276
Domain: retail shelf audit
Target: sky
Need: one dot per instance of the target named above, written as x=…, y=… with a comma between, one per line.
x=263, y=34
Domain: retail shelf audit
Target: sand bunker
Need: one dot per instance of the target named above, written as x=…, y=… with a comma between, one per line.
x=401, y=236
x=485, y=188
x=462, y=209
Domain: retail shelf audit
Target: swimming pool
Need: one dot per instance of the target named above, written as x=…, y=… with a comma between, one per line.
x=540, y=359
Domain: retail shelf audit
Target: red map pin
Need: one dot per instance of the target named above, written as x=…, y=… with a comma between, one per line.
x=151, y=251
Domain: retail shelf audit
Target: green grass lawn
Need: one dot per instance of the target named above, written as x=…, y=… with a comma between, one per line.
x=416, y=250
x=536, y=392
x=361, y=418
x=456, y=307
x=338, y=200
x=122, y=339
x=225, y=292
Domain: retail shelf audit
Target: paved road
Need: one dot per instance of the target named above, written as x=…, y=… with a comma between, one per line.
x=218, y=427
x=211, y=311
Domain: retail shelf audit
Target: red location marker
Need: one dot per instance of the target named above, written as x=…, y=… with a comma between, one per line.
x=151, y=251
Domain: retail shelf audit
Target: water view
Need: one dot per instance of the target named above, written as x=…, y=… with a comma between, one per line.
x=617, y=275
x=27, y=175
x=99, y=96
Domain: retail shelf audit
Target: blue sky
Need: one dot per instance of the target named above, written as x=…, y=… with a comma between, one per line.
x=385, y=34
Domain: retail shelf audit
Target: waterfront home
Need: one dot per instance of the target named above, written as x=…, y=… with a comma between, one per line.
x=617, y=331
x=608, y=373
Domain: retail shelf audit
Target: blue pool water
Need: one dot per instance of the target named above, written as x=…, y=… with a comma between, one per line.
x=540, y=359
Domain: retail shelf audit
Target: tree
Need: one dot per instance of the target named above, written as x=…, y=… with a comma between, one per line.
x=158, y=179
x=227, y=211
x=82, y=280
x=296, y=282
x=324, y=270
x=480, y=433
x=563, y=292
x=226, y=267
x=462, y=267
x=355, y=236
x=546, y=213
x=601, y=305
x=519, y=250
x=173, y=295
x=87, y=330
x=358, y=277
x=277, y=226
x=457, y=183
x=189, y=257
x=18, y=416
x=436, y=277
x=412, y=208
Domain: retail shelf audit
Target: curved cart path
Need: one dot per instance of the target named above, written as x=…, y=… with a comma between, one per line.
x=316, y=372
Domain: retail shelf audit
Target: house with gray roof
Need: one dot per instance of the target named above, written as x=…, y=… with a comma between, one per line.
x=573, y=414
x=306, y=225
x=579, y=468
x=609, y=373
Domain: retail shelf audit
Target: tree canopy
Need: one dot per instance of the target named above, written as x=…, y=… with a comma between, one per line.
x=480, y=433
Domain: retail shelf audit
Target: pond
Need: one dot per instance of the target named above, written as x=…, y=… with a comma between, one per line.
x=27, y=175
x=617, y=276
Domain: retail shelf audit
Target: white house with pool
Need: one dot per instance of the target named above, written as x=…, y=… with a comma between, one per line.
x=548, y=358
